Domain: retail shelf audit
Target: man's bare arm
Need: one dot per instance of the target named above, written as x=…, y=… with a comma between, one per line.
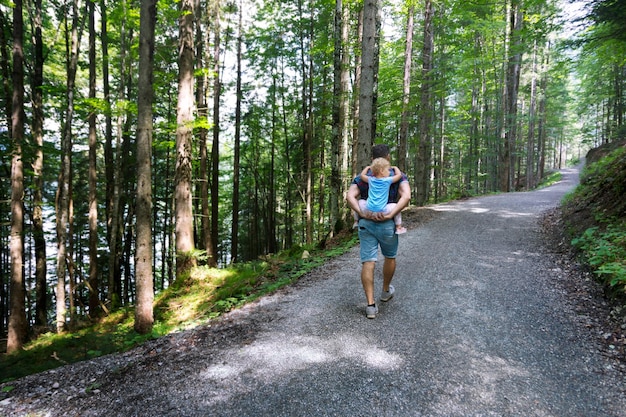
x=352, y=198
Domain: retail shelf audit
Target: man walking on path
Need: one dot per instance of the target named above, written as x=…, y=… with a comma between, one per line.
x=378, y=229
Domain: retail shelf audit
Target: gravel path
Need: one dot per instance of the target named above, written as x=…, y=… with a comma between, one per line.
x=480, y=326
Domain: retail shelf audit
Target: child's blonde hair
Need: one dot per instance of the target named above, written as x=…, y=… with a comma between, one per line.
x=380, y=167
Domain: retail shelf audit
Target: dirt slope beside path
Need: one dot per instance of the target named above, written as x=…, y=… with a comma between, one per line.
x=480, y=325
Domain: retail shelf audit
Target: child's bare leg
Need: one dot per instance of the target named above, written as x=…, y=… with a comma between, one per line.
x=397, y=219
x=362, y=205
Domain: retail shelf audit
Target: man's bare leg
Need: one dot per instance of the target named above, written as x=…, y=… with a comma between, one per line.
x=389, y=268
x=367, y=279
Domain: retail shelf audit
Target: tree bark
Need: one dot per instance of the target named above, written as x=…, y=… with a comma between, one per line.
x=356, y=97
x=109, y=159
x=203, y=114
x=237, y=146
x=18, y=326
x=215, y=150
x=532, y=110
x=64, y=189
x=366, y=96
x=184, y=216
x=336, y=139
x=424, y=154
x=94, y=284
x=41, y=286
x=511, y=86
x=143, y=258
x=406, y=90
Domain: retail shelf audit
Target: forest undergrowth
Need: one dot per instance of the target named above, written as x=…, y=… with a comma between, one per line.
x=594, y=216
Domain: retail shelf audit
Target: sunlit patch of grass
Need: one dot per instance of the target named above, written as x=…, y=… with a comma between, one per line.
x=206, y=293
x=550, y=179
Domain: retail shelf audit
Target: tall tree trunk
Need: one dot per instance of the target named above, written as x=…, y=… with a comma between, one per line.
x=184, y=216
x=507, y=167
x=356, y=98
x=215, y=150
x=115, y=220
x=337, y=139
x=5, y=66
x=406, y=90
x=109, y=159
x=345, y=148
x=203, y=114
x=41, y=286
x=366, y=96
x=307, y=127
x=17, y=319
x=271, y=238
x=532, y=110
x=93, y=201
x=64, y=189
x=237, y=146
x=289, y=228
x=541, y=163
x=473, y=157
x=143, y=258
x=424, y=154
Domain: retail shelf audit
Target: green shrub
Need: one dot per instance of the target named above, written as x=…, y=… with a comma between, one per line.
x=605, y=252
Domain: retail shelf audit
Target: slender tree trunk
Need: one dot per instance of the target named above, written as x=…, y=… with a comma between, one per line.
x=366, y=96
x=237, y=146
x=288, y=231
x=541, y=163
x=356, y=98
x=41, y=286
x=307, y=128
x=184, y=216
x=203, y=114
x=18, y=327
x=507, y=167
x=345, y=143
x=272, y=243
x=5, y=66
x=109, y=160
x=424, y=155
x=406, y=90
x=114, y=295
x=271, y=238
x=143, y=257
x=63, y=192
x=93, y=201
x=337, y=139
x=71, y=267
x=215, y=149
x=532, y=110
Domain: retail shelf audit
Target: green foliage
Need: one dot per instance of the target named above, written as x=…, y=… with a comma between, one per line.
x=551, y=178
x=595, y=214
x=205, y=294
x=605, y=252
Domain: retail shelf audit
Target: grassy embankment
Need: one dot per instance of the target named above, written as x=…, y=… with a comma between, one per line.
x=595, y=218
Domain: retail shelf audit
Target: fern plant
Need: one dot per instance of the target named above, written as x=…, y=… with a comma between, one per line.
x=605, y=251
